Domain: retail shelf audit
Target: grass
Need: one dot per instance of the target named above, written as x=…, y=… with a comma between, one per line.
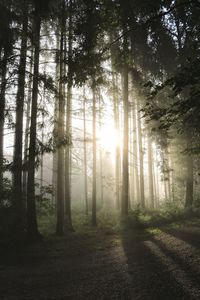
x=108, y=222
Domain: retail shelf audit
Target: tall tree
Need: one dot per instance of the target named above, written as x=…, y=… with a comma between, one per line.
x=94, y=167
x=68, y=221
x=85, y=153
x=60, y=133
x=135, y=153
x=125, y=91
x=141, y=158
x=32, y=228
x=2, y=114
x=101, y=154
x=27, y=125
x=150, y=172
x=18, y=144
x=116, y=126
x=7, y=38
x=189, y=177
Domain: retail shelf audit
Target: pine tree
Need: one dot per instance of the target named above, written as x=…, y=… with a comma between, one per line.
x=94, y=167
x=60, y=128
x=18, y=144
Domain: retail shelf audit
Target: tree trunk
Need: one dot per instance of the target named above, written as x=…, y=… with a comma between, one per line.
x=157, y=180
x=2, y=117
x=68, y=220
x=150, y=172
x=60, y=127
x=154, y=185
x=42, y=154
x=31, y=205
x=18, y=198
x=94, y=218
x=172, y=179
x=27, y=126
x=125, y=167
x=189, y=179
x=131, y=197
x=56, y=115
x=85, y=154
x=42, y=137
x=164, y=181
x=118, y=151
x=116, y=126
x=168, y=174
x=141, y=160
x=135, y=153
x=100, y=156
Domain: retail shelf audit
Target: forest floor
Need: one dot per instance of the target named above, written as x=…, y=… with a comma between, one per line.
x=154, y=263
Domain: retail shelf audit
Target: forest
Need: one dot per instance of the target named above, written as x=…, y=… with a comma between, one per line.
x=99, y=149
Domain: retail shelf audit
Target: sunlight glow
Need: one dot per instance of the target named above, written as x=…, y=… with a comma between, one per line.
x=108, y=138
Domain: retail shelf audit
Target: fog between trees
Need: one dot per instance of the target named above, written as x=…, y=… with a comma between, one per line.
x=99, y=110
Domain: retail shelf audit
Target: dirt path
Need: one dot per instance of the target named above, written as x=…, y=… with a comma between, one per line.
x=152, y=266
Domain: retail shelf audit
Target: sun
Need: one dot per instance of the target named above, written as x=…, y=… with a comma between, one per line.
x=108, y=138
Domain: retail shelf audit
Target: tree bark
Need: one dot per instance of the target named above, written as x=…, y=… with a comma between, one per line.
x=117, y=150
x=150, y=173
x=85, y=154
x=116, y=126
x=2, y=116
x=27, y=126
x=189, y=179
x=42, y=135
x=32, y=227
x=157, y=180
x=100, y=157
x=141, y=159
x=60, y=126
x=68, y=219
x=56, y=115
x=125, y=167
x=94, y=217
x=135, y=153
x=19, y=201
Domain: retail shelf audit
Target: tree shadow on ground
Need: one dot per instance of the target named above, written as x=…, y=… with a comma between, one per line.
x=186, y=263
x=150, y=268
x=190, y=235
x=99, y=266
x=78, y=267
